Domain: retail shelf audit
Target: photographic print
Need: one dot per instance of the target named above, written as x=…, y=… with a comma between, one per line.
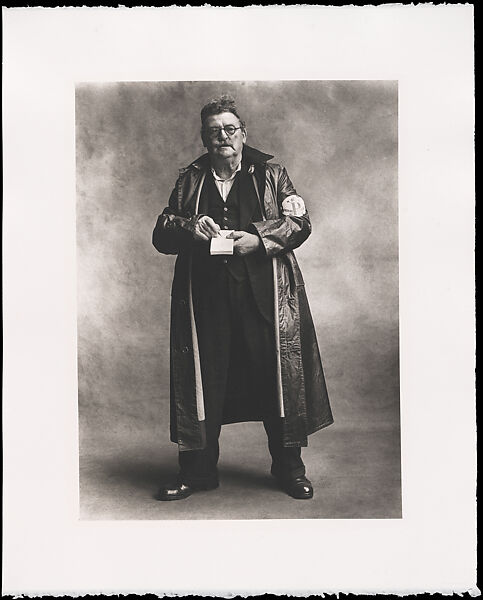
x=238, y=332
x=239, y=301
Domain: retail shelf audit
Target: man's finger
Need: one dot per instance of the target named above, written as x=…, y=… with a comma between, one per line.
x=236, y=235
x=210, y=227
x=208, y=222
x=214, y=230
x=209, y=232
x=203, y=225
x=203, y=237
x=199, y=234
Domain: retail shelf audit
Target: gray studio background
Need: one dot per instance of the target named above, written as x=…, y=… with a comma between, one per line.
x=338, y=141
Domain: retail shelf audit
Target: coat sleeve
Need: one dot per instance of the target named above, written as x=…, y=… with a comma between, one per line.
x=173, y=232
x=286, y=232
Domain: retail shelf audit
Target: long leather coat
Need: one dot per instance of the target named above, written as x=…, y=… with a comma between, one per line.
x=302, y=394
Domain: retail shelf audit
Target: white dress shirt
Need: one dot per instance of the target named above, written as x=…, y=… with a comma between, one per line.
x=224, y=185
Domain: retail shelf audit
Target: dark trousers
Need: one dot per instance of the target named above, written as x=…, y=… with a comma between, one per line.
x=237, y=355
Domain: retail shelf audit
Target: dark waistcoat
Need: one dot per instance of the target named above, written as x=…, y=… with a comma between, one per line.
x=238, y=212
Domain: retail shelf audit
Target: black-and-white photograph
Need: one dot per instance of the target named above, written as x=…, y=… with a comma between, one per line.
x=238, y=331
x=238, y=301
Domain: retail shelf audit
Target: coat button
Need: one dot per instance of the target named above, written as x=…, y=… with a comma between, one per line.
x=225, y=209
x=185, y=349
x=225, y=261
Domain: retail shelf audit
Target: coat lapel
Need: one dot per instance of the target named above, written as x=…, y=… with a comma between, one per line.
x=192, y=177
x=248, y=198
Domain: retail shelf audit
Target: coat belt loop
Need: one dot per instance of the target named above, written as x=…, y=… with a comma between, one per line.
x=200, y=403
x=276, y=316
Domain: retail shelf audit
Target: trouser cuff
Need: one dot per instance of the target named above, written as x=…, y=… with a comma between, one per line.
x=197, y=481
x=287, y=472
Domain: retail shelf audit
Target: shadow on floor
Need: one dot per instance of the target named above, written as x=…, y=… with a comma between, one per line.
x=141, y=472
x=354, y=475
x=246, y=478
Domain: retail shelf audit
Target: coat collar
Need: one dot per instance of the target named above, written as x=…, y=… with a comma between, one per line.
x=251, y=156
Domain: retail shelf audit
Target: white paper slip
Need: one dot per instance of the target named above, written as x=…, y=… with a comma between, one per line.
x=222, y=245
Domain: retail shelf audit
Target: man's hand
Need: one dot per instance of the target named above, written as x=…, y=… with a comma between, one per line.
x=205, y=229
x=245, y=243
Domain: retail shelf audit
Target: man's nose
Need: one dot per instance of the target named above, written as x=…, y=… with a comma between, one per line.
x=222, y=133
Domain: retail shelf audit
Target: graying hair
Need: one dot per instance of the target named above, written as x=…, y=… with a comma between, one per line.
x=216, y=106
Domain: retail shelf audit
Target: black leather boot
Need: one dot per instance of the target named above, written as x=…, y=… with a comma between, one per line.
x=299, y=488
x=180, y=490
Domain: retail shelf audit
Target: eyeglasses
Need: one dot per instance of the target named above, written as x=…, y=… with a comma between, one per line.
x=215, y=131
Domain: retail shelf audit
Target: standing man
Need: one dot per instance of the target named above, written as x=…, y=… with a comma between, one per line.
x=243, y=345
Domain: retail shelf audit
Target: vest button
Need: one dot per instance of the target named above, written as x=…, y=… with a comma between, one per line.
x=225, y=261
x=225, y=209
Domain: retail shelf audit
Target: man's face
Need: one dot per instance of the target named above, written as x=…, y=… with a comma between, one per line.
x=220, y=144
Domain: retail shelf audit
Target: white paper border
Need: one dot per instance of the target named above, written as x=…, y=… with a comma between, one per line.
x=429, y=50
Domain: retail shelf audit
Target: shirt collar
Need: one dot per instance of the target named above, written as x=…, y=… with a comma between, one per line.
x=229, y=178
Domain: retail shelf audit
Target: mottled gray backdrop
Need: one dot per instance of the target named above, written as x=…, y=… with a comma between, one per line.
x=338, y=140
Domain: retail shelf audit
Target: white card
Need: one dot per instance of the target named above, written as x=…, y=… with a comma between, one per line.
x=222, y=245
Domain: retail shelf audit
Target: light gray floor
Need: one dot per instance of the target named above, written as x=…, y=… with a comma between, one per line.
x=356, y=475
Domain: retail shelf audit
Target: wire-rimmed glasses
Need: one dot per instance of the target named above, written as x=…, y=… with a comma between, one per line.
x=215, y=131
